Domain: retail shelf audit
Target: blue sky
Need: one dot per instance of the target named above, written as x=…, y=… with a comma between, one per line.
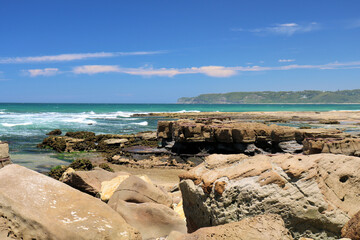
x=157, y=51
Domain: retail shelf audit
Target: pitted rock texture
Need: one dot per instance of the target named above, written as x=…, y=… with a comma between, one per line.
x=262, y=227
x=34, y=206
x=315, y=195
x=347, y=146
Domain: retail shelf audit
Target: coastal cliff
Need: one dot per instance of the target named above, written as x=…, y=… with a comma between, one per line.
x=307, y=96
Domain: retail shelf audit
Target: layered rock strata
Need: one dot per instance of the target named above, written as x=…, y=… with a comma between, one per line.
x=225, y=136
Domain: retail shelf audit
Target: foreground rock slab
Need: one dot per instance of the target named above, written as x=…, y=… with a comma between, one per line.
x=269, y=226
x=151, y=219
x=134, y=189
x=315, y=195
x=34, y=206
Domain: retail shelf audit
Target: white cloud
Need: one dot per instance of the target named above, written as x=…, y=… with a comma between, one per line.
x=93, y=69
x=353, y=24
x=212, y=71
x=286, y=60
x=287, y=29
x=72, y=57
x=215, y=71
x=42, y=72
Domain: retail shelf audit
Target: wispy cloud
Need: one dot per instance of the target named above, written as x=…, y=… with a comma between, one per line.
x=42, y=72
x=354, y=24
x=212, y=71
x=287, y=29
x=286, y=60
x=72, y=57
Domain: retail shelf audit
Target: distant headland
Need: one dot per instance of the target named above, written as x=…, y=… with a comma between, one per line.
x=295, y=97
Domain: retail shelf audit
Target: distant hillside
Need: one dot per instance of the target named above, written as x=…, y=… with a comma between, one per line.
x=307, y=96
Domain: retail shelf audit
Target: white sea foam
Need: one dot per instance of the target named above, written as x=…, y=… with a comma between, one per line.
x=145, y=123
x=16, y=124
x=188, y=111
x=80, y=120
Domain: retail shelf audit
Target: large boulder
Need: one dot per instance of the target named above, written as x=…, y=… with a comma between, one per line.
x=34, y=206
x=151, y=219
x=87, y=181
x=108, y=188
x=4, y=154
x=268, y=226
x=315, y=195
x=135, y=189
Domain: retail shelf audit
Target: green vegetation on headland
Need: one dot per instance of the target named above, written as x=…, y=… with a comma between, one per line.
x=307, y=96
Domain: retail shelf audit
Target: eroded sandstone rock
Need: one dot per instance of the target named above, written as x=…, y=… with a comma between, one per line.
x=34, y=206
x=235, y=137
x=347, y=146
x=268, y=226
x=315, y=195
x=87, y=181
x=151, y=219
x=135, y=189
x=4, y=154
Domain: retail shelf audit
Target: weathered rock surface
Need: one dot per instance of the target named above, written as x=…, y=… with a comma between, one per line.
x=87, y=181
x=352, y=228
x=109, y=187
x=268, y=226
x=315, y=195
x=226, y=136
x=134, y=189
x=151, y=219
x=347, y=146
x=4, y=154
x=114, y=141
x=34, y=206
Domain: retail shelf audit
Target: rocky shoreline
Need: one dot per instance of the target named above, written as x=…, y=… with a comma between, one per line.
x=241, y=176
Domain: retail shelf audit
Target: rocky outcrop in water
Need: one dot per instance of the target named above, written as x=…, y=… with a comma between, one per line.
x=34, y=206
x=88, y=141
x=225, y=136
x=315, y=195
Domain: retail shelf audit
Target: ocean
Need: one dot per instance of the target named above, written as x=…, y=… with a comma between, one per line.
x=25, y=125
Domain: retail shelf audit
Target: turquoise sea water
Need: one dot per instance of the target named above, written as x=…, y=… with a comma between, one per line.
x=25, y=125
